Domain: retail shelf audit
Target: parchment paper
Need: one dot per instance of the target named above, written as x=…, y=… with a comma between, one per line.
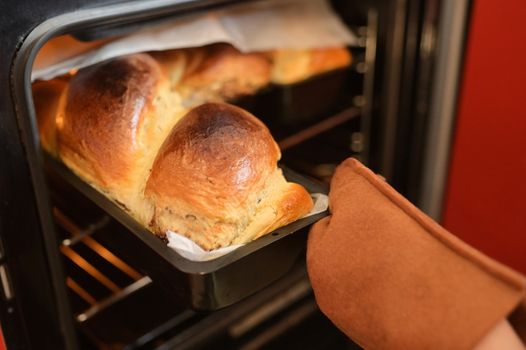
x=191, y=251
x=258, y=26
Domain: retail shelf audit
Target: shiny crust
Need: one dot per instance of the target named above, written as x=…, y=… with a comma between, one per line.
x=117, y=113
x=212, y=177
x=49, y=99
x=214, y=73
x=105, y=110
x=216, y=181
x=180, y=63
x=291, y=66
x=174, y=64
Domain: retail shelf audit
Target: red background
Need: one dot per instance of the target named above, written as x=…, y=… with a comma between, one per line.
x=486, y=196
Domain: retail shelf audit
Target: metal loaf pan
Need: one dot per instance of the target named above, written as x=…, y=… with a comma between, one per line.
x=296, y=105
x=206, y=285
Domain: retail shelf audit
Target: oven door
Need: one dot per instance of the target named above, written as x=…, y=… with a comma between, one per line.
x=37, y=305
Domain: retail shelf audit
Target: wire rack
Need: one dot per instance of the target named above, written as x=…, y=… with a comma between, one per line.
x=97, y=277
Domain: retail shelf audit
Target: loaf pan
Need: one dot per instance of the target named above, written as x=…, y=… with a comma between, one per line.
x=293, y=106
x=208, y=285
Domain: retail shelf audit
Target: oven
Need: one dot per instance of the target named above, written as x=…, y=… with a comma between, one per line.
x=73, y=276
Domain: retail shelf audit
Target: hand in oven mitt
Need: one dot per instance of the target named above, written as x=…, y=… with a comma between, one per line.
x=391, y=278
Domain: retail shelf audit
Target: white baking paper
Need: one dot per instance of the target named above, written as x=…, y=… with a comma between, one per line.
x=191, y=251
x=258, y=26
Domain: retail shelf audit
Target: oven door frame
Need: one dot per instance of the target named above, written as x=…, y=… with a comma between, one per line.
x=34, y=308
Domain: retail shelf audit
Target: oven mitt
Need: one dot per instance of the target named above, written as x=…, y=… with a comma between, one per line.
x=390, y=277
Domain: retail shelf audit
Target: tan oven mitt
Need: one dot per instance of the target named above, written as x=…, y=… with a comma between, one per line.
x=391, y=278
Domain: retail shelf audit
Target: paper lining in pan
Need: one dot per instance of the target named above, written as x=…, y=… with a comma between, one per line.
x=191, y=251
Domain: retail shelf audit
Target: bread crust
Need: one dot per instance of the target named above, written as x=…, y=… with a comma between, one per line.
x=291, y=66
x=105, y=110
x=116, y=115
x=214, y=73
x=216, y=181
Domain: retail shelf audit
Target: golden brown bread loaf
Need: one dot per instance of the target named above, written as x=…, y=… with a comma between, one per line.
x=214, y=73
x=116, y=116
x=291, y=66
x=216, y=180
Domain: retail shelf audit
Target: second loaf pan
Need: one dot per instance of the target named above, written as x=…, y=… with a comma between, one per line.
x=207, y=285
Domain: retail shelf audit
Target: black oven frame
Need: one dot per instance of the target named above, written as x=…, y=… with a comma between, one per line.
x=34, y=310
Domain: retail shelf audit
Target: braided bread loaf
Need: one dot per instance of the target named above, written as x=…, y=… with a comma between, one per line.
x=290, y=66
x=209, y=172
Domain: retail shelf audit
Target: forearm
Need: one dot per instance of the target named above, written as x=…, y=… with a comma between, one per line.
x=502, y=336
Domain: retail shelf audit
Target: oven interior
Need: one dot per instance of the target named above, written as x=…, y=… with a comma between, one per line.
x=317, y=123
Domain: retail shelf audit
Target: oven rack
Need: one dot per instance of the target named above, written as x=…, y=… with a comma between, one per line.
x=96, y=263
x=74, y=235
x=183, y=327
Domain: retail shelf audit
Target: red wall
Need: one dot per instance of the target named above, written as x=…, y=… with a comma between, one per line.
x=2, y=343
x=486, y=195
